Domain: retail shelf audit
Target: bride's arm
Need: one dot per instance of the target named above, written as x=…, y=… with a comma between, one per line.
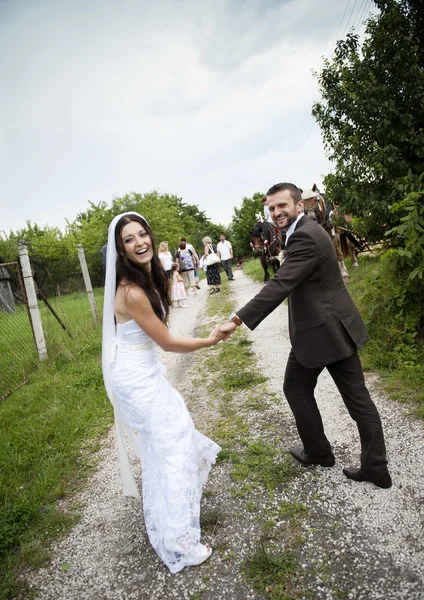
x=138, y=306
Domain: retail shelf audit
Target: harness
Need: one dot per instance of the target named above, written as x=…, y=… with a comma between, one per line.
x=271, y=239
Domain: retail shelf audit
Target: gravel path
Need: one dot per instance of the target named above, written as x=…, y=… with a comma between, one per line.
x=369, y=540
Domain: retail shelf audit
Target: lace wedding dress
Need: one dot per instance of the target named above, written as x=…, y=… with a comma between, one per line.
x=175, y=457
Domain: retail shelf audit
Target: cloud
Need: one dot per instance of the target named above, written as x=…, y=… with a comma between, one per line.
x=208, y=100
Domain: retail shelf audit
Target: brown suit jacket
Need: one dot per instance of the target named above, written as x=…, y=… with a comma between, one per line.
x=324, y=324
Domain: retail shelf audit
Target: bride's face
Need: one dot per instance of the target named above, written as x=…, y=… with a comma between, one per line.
x=137, y=244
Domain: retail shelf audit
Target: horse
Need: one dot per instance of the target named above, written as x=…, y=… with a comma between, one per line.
x=345, y=243
x=267, y=244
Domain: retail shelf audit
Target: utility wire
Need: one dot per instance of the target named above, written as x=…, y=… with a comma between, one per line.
x=366, y=11
x=350, y=16
x=358, y=19
x=335, y=39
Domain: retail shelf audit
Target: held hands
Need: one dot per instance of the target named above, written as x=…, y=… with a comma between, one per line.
x=227, y=329
x=216, y=335
x=222, y=332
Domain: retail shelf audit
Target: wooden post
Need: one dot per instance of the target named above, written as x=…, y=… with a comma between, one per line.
x=32, y=301
x=87, y=282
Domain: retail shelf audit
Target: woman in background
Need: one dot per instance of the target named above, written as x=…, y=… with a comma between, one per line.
x=165, y=258
x=213, y=276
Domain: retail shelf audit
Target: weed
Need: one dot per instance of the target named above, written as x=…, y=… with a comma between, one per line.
x=209, y=494
x=264, y=465
x=292, y=510
x=210, y=519
x=272, y=573
x=242, y=380
x=257, y=403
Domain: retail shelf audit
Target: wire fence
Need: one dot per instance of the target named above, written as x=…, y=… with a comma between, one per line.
x=67, y=315
x=64, y=308
x=18, y=351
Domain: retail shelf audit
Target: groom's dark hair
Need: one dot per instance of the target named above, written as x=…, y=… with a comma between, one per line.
x=295, y=193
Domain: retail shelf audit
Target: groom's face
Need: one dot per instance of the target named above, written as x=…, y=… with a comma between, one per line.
x=283, y=209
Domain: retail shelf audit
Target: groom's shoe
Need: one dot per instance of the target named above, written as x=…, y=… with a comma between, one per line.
x=382, y=480
x=306, y=459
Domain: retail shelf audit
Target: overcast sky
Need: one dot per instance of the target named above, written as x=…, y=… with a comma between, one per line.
x=206, y=99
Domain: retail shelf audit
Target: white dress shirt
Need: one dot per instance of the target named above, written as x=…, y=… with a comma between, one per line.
x=292, y=227
x=224, y=249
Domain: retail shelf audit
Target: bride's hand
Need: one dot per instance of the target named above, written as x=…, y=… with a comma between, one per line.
x=216, y=335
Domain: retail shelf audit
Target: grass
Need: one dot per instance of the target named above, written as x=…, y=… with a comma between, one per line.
x=49, y=431
x=398, y=360
x=272, y=573
x=263, y=464
x=211, y=520
x=19, y=354
x=253, y=269
x=292, y=510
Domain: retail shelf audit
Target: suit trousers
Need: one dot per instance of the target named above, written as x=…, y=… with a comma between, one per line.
x=299, y=386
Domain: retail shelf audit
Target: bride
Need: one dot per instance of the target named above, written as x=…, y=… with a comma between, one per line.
x=175, y=457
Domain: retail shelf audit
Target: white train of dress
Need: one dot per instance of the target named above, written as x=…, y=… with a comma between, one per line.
x=175, y=457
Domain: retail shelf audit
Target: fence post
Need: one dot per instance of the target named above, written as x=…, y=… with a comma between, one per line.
x=87, y=282
x=37, y=325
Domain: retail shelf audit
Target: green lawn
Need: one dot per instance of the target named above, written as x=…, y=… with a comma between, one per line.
x=254, y=269
x=48, y=432
x=19, y=355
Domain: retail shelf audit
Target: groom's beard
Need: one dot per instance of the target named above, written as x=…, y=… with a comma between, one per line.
x=288, y=220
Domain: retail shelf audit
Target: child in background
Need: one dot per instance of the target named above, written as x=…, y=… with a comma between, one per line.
x=178, y=293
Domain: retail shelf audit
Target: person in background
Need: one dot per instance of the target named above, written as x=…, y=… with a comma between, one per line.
x=213, y=276
x=267, y=216
x=186, y=260
x=178, y=293
x=196, y=260
x=165, y=258
x=225, y=252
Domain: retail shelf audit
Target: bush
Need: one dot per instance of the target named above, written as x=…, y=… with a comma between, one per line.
x=403, y=264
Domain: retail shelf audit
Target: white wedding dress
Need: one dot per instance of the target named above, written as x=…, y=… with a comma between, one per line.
x=175, y=457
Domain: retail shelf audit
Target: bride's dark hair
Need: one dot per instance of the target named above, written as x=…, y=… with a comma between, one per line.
x=155, y=284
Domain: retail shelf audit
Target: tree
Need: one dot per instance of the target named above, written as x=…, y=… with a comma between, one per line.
x=197, y=225
x=54, y=254
x=243, y=221
x=372, y=114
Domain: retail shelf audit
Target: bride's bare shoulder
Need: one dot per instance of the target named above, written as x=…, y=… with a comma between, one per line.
x=128, y=292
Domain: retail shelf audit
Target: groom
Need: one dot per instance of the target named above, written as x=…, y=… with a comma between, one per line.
x=326, y=330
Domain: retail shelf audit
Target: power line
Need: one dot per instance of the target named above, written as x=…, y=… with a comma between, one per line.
x=340, y=24
x=350, y=16
x=365, y=11
x=357, y=21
